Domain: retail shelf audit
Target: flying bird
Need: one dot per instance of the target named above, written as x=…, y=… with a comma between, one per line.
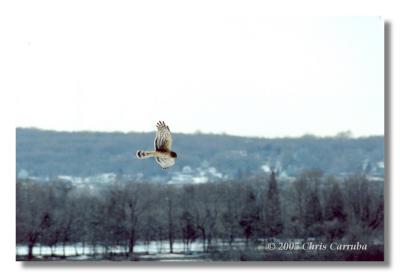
x=162, y=144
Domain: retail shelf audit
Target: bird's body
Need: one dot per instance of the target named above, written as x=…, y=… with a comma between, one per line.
x=162, y=144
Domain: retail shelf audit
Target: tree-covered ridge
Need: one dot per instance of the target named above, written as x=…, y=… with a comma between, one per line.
x=50, y=153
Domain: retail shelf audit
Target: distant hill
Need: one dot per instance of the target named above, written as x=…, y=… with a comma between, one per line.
x=44, y=153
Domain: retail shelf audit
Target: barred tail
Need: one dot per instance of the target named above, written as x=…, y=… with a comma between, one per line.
x=143, y=154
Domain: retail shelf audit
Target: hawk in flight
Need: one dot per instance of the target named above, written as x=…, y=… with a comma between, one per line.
x=162, y=144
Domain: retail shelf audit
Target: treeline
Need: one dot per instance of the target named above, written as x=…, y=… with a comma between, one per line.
x=55, y=213
x=49, y=153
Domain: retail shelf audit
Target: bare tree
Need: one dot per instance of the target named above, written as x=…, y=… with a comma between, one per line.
x=273, y=219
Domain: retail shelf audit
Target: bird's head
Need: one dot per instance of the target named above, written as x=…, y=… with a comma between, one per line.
x=173, y=154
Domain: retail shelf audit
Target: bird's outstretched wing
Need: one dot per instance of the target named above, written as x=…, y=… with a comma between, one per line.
x=165, y=162
x=163, y=140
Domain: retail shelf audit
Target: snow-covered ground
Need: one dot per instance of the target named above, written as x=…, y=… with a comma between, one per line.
x=155, y=250
x=154, y=247
x=198, y=175
x=159, y=250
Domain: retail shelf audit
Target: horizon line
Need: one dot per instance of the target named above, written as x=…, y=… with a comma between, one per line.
x=347, y=134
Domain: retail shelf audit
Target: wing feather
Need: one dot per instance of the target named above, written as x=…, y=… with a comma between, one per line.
x=165, y=162
x=163, y=140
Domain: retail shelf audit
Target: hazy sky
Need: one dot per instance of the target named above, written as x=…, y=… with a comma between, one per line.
x=121, y=69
